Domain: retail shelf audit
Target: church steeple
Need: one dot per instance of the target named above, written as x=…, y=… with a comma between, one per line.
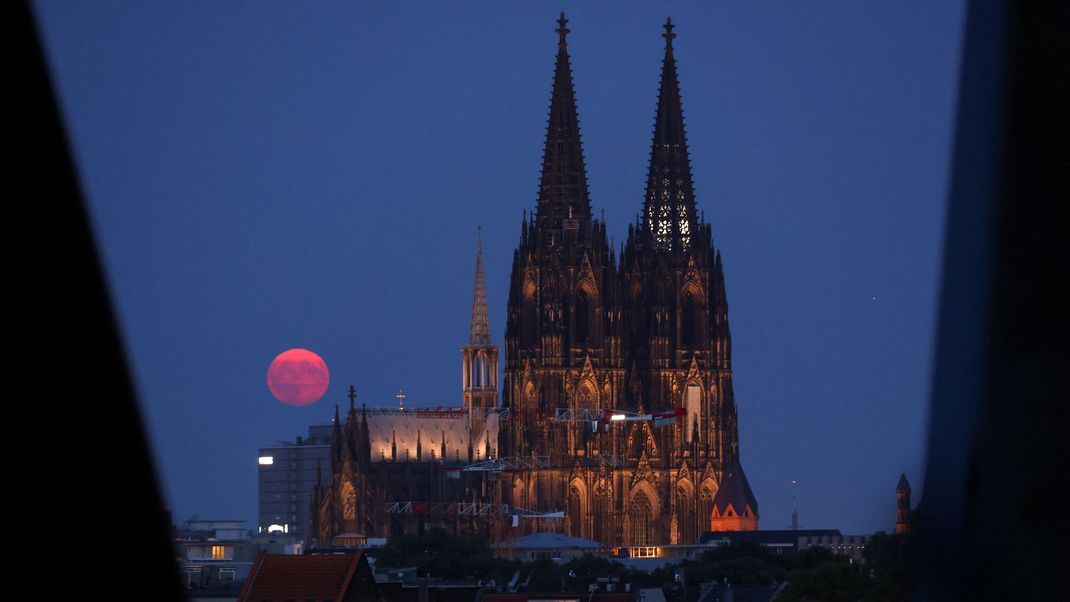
x=563, y=187
x=479, y=333
x=479, y=357
x=669, y=206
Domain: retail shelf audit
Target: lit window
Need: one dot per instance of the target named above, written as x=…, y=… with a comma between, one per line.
x=267, y=460
x=218, y=552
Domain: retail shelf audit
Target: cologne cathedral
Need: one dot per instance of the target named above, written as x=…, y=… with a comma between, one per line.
x=588, y=334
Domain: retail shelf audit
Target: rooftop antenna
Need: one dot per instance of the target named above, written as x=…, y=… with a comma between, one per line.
x=794, y=507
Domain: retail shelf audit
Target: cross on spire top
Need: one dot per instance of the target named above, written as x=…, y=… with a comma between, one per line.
x=401, y=399
x=352, y=395
x=562, y=31
x=668, y=35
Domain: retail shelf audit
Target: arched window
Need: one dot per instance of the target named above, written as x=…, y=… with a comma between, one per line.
x=705, y=508
x=601, y=509
x=528, y=317
x=689, y=322
x=641, y=518
x=575, y=511
x=685, y=514
x=583, y=319
x=349, y=506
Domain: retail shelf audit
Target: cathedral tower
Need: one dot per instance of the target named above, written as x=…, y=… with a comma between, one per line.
x=902, y=502
x=479, y=360
x=562, y=342
x=675, y=307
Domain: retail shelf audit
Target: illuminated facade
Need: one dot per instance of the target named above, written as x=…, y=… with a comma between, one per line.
x=588, y=332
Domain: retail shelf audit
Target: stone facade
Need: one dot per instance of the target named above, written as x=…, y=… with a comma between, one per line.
x=587, y=333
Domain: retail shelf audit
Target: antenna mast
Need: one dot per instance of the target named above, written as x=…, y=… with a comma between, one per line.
x=794, y=507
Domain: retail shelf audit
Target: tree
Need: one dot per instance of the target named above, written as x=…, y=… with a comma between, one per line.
x=888, y=560
x=831, y=581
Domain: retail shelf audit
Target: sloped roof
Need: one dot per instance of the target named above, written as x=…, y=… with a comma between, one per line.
x=735, y=490
x=290, y=577
x=548, y=540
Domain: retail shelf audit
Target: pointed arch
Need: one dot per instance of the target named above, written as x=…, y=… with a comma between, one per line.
x=644, y=510
x=685, y=511
x=602, y=507
x=692, y=312
x=707, y=491
x=585, y=302
x=347, y=495
x=528, y=313
x=577, y=508
x=693, y=404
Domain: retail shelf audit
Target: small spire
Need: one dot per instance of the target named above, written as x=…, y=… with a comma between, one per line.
x=352, y=397
x=562, y=31
x=668, y=35
x=479, y=333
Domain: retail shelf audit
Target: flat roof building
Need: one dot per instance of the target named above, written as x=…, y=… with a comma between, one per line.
x=287, y=473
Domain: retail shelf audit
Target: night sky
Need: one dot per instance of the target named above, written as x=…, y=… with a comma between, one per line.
x=271, y=175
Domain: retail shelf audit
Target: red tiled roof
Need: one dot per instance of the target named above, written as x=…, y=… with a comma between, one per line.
x=289, y=577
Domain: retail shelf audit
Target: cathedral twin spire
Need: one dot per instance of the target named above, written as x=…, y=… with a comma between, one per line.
x=669, y=215
x=669, y=206
x=563, y=193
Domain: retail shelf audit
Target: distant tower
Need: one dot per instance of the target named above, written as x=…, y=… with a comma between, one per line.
x=479, y=359
x=794, y=507
x=902, y=498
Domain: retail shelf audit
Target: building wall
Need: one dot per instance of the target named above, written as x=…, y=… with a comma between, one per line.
x=285, y=486
x=844, y=545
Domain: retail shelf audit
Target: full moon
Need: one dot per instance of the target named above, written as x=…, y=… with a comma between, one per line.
x=298, y=377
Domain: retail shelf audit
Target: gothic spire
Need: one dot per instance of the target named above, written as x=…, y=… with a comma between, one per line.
x=479, y=334
x=563, y=185
x=669, y=205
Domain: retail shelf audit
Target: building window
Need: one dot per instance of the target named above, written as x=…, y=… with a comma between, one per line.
x=193, y=575
x=219, y=552
x=583, y=319
x=226, y=574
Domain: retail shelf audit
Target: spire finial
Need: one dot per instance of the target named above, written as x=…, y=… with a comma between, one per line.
x=668, y=35
x=352, y=396
x=562, y=31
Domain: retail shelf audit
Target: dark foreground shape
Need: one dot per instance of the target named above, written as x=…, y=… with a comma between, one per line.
x=990, y=519
x=92, y=511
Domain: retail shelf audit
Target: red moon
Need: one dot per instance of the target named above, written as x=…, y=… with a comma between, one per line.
x=298, y=377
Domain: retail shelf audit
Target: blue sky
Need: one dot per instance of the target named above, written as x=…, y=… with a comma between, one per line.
x=267, y=175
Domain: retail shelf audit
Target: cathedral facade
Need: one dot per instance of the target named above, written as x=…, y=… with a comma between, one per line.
x=588, y=334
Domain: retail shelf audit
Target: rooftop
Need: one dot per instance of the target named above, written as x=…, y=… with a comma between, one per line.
x=547, y=540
